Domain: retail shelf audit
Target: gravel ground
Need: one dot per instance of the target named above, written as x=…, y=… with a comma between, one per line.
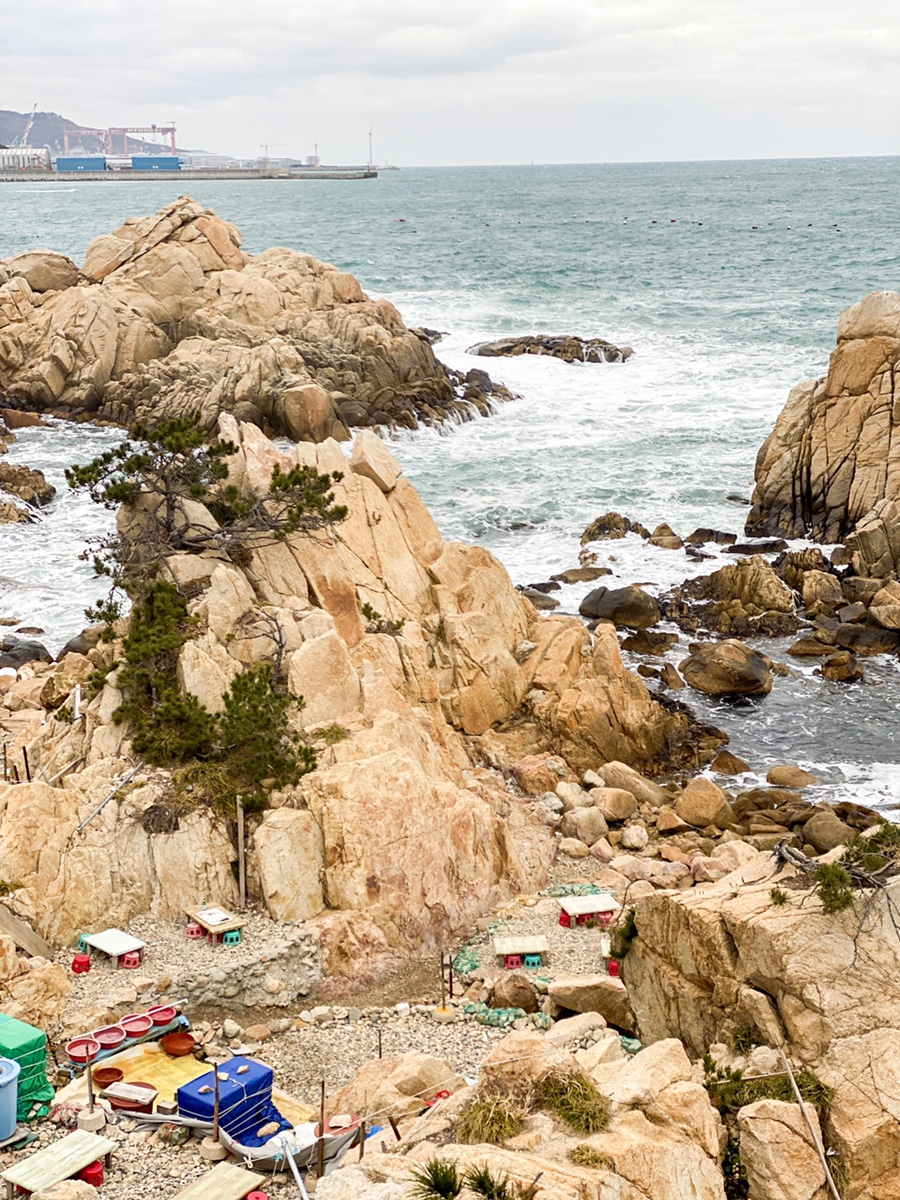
x=170, y=953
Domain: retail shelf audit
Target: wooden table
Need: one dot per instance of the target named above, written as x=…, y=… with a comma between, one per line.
x=224, y=1182
x=216, y=929
x=60, y=1160
x=115, y=943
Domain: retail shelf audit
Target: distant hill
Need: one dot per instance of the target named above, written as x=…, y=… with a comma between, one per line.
x=47, y=130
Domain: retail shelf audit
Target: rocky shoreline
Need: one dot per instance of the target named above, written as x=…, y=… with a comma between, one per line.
x=476, y=758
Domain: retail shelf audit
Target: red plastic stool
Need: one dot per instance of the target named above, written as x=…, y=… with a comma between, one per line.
x=258, y=1196
x=93, y=1173
x=130, y=960
x=613, y=968
x=193, y=930
x=81, y=964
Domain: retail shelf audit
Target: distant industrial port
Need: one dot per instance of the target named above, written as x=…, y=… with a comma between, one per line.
x=122, y=156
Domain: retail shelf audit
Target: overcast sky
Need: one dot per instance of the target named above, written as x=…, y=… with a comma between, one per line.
x=470, y=81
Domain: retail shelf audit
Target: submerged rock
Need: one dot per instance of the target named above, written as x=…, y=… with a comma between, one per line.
x=743, y=599
x=28, y=484
x=612, y=525
x=628, y=606
x=727, y=668
x=569, y=348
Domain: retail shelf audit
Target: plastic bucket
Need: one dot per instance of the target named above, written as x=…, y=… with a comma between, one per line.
x=9, y=1096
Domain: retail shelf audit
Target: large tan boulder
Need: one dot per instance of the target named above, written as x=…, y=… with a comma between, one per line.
x=705, y=960
x=778, y=1153
x=603, y=994
x=701, y=803
x=45, y=270
x=864, y=1117
x=372, y=458
x=67, y=1189
x=728, y=668
x=519, y=1062
x=660, y=1162
x=398, y=1086
x=290, y=858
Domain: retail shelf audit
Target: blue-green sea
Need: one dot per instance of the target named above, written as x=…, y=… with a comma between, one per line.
x=727, y=278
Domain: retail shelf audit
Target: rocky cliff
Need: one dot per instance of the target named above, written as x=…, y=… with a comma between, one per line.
x=407, y=829
x=169, y=316
x=726, y=958
x=829, y=468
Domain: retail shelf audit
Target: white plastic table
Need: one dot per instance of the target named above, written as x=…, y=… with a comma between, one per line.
x=115, y=943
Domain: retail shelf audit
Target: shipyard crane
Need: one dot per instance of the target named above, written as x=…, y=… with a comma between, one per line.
x=70, y=133
x=124, y=130
x=23, y=140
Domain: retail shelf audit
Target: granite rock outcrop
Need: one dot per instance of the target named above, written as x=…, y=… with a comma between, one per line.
x=169, y=316
x=831, y=460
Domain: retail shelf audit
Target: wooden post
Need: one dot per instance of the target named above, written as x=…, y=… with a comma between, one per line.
x=27, y=767
x=393, y=1125
x=320, y=1148
x=15, y=772
x=362, y=1139
x=242, y=865
x=5, y=767
x=90, y=1081
x=379, y=1043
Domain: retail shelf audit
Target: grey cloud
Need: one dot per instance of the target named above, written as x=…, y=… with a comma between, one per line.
x=657, y=77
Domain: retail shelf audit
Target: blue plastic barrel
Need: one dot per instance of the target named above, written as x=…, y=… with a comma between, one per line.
x=9, y=1095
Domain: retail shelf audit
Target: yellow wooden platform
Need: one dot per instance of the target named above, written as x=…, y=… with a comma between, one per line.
x=149, y=1063
x=224, y=1182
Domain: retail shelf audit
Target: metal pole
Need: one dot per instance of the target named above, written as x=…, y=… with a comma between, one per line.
x=216, y=1101
x=5, y=768
x=242, y=864
x=295, y=1170
x=117, y=788
x=443, y=984
x=27, y=765
x=832, y=1187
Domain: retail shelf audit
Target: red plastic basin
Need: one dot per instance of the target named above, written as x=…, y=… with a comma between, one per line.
x=163, y=1015
x=110, y=1036
x=79, y=1048
x=137, y=1024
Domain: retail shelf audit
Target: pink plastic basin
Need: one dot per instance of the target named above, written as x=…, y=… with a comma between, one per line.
x=79, y=1049
x=164, y=1015
x=137, y=1024
x=110, y=1036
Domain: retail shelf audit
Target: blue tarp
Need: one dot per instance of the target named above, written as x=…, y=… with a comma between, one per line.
x=245, y=1100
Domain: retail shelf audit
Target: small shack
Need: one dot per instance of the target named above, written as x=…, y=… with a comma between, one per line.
x=518, y=952
x=583, y=910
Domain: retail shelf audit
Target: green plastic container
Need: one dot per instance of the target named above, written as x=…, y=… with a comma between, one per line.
x=28, y=1047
